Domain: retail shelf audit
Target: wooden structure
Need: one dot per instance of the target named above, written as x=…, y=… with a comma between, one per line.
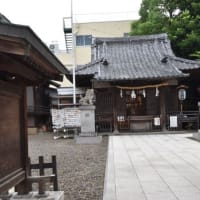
x=24, y=61
x=136, y=80
x=41, y=178
x=38, y=108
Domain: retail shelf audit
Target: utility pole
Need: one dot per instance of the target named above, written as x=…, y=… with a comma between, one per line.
x=73, y=55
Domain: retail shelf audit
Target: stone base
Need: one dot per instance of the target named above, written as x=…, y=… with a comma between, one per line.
x=87, y=119
x=50, y=195
x=88, y=134
x=116, y=132
x=88, y=139
x=196, y=135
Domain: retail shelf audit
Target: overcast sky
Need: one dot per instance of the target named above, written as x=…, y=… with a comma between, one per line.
x=45, y=17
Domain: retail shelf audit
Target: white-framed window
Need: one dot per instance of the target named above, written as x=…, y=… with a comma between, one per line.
x=83, y=40
x=126, y=34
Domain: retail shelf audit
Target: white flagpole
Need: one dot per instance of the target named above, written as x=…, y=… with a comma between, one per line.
x=73, y=55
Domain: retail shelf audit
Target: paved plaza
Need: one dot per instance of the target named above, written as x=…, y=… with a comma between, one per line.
x=152, y=167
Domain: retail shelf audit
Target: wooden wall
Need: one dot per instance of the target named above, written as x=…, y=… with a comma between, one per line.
x=13, y=147
x=152, y=103
x=171, y=99
x=9, y=135
x=104, y=101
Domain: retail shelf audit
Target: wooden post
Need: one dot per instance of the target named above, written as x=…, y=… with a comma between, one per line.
x=163, y=108
x=181, y=103
x=54, y=170
x=42, y=179
x=41, y=187
x=29, y=172
x=23, y=187
x=115, y=111
x=41, y=163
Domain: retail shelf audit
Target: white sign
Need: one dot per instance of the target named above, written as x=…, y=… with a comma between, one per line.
x=66, y=117
x=173, y=121
x=156, y=121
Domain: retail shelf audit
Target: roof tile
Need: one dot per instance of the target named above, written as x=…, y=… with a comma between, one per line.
x=137, y=57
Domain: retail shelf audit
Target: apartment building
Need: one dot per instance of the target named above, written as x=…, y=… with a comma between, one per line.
x=85, y=32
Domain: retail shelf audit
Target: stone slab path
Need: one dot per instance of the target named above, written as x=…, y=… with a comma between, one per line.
x=152, y=167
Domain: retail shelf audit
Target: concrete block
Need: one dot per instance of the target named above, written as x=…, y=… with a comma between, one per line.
x=88, y=139
x=50, y=195
x=196, y=135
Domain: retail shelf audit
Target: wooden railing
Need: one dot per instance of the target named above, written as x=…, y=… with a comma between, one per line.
x=41, y=178
x=104, y=122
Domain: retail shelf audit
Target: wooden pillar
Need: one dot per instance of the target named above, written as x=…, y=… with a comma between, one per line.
x=163, y=108
x=115, y=131
x=23, y=187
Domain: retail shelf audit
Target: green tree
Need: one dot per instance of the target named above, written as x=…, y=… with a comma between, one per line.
x=180, y=19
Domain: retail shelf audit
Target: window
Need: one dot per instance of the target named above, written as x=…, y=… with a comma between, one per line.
x=83, y=40
x=126, y=34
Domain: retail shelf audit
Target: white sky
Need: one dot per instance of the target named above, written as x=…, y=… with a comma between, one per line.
x=45, y=17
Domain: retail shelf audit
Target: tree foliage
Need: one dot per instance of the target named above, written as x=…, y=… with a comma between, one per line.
x=180, y=19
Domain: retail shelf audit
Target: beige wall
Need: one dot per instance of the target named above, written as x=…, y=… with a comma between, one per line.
x=103, y=29
x=65, y=58
x=96, y=29
x=83, y=56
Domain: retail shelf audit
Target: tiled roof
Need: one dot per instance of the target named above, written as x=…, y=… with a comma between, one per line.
x=30, y=38
x=184, y=64
x=3, y=19
x=134, y=58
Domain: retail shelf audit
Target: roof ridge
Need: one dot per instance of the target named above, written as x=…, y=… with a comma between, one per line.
x=183, y=59
x=4, y=19
x=162, y=36
x=88, y=65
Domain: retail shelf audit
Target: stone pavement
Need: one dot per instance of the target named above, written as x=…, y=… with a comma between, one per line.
x=152, y=167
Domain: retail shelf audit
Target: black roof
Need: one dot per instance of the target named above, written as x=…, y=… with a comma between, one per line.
x=135, y=58
x=27, y=34
x=3, y=19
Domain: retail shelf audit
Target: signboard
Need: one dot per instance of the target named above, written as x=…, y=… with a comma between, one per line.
x=173, y=121
x=66, y=117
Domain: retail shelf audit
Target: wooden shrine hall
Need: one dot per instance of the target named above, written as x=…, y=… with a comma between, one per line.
x=137, y=81
x=24, y=61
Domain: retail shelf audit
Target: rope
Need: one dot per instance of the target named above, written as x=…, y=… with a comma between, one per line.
x=143, y=87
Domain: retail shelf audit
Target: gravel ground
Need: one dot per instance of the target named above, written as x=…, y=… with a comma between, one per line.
x=81, y=168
